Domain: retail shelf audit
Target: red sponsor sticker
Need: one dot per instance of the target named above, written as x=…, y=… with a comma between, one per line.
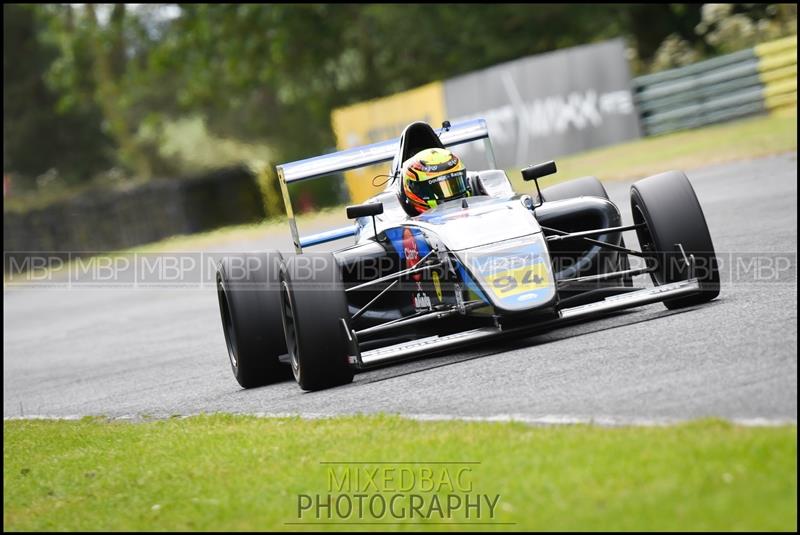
x=411, y=252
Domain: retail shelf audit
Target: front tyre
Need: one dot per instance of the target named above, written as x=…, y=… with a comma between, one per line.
x=668, y=206
x=314, y=308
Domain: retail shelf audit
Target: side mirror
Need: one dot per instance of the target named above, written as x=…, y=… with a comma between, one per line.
x=535, y=172
x=539, y=170
x=366, y=209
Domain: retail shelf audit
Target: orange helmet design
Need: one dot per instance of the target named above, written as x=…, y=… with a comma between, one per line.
x=433, y=176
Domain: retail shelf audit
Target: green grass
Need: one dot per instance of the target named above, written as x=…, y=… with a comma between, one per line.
x=245, y=473
x=740, y=140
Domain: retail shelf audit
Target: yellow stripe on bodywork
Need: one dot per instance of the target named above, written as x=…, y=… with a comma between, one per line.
x=520, y=280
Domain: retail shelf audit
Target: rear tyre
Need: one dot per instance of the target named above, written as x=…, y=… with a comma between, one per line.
x=588, y=186
x=248, y=292
x=668, y=205
x=313, y=305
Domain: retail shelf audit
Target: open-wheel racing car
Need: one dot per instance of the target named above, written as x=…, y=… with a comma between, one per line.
x=488, y=264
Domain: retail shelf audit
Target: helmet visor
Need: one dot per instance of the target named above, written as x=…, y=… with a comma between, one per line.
x=442, y=188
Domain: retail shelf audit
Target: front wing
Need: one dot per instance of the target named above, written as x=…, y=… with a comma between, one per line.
x=433, y=344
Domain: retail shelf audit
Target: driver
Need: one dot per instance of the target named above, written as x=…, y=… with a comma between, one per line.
x=430, y=177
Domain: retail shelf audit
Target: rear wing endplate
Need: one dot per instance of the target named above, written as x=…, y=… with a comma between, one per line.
x=346, y=160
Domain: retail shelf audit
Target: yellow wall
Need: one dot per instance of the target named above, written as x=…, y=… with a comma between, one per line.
x=380, y=120
x=778, y=71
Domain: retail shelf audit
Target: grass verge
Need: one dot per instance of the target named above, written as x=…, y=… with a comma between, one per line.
x=225, y=472
x=740, y=140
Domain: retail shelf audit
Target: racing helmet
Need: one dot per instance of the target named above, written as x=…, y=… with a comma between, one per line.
x=431, y=177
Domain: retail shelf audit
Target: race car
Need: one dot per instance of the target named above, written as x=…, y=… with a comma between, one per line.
x=491, y=263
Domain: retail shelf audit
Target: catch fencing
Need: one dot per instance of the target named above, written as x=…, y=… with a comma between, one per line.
x=755, y=80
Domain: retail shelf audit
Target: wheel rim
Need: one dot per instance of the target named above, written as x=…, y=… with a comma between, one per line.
x=289, y=328
x=227, y=323
x=646, y=243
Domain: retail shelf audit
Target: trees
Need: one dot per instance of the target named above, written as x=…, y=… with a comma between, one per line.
x=103, y=63
x=121, y=74
x=38, y=135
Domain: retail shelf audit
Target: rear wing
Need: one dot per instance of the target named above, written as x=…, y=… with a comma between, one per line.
x=363, y=156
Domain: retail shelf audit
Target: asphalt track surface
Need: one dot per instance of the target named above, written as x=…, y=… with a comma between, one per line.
x=159, y=352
